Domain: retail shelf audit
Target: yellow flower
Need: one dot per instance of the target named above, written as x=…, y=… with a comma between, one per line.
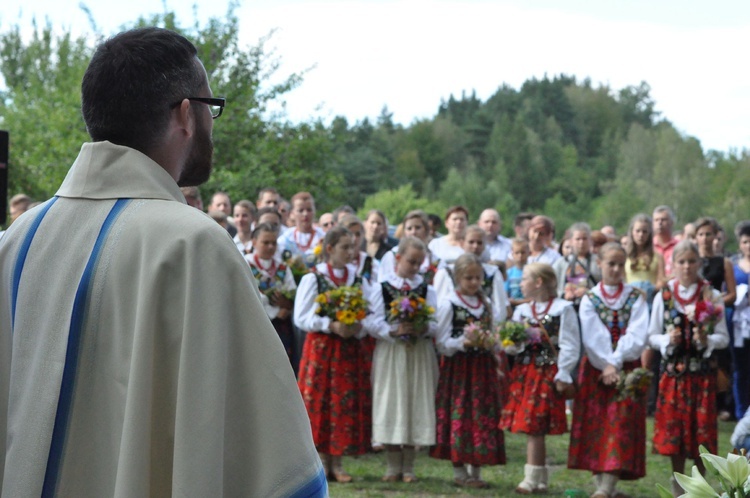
x=318, y=250
x=507, y=342
x=320, y=299
x=346, y=317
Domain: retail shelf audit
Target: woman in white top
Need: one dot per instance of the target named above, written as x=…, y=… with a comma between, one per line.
x=448, y=248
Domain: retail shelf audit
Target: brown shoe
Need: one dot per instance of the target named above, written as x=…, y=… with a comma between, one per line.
x=477, y=484
x=409, y=478
x=339, y=476
x=389, y=478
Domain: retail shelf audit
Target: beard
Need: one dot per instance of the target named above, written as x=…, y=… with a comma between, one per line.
x=198, y=166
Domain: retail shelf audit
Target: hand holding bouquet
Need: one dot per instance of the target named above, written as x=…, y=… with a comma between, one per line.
x=345, y=305
x=413, y=315
x=476, y=336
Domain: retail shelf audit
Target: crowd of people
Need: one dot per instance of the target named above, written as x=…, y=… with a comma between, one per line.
x=602, y=315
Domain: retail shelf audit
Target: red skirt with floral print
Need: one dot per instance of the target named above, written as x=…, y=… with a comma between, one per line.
x=468, y=405
x=607, y=435
x=685, y=415
x=534, y=407
x=334, y=379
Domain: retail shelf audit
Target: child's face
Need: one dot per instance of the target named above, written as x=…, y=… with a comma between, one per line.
x=567, y=247
x=265, y=245
x=341, y=253
x=581, y=243
x=304, y=213
x=407, y=264
x=521, y=254
x=471, y=280
x=473, y=243
x=415, y=228
x=356, y=237
x=531, y=286
x=641, y=233
x=613, y=267
x=685, y=267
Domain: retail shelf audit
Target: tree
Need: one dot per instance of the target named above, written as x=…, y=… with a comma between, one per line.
x=41, y=107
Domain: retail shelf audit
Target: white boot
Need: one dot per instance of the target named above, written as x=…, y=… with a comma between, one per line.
x=530, y=483
x=541, y=481
x=606, y=484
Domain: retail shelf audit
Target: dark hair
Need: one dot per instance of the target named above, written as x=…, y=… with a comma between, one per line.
x=521, y=218
x=266, y=210
x=435, y=221
x=333, y=236
x=707, y=221
x=267, y=190
x=244, y=203
x=341, y=210
x=131, y=83
x=264, y=227
x=742, y=228
x=456, y=209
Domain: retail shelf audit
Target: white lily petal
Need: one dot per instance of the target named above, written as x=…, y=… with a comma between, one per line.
x=720, y=464
x=696, y=486
x=739, y=469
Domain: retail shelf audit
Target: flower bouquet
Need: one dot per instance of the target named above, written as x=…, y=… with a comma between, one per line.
x=634, y=384
x=344, y=304
x=412, y=309
x=480, y=337
x=705, y=314
x=515, y=335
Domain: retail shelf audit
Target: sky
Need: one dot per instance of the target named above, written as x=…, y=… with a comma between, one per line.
x=408, y=55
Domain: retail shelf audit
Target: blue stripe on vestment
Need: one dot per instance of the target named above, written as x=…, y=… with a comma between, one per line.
x=318, y=486
x=22, y=253
x=54, y=460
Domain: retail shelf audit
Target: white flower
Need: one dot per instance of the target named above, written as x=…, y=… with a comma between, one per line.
x=733, y=468
x=696, y=486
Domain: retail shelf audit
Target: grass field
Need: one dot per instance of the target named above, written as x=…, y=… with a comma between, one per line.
x=436, y=476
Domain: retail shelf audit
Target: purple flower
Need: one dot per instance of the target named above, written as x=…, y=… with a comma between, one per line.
x=406, y=306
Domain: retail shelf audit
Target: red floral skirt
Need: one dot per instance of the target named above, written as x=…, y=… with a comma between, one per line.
x=685, y=415
x=607, y=435
x=468, y=404
x=534, y=407
x=334, y=379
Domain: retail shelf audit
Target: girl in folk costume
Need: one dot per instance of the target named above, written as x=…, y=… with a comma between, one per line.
x=493, y=285
x=608, y=432
x=275, y=282
x=469, y=398
x=366, y=265
x=687, y=325
x=404, y=369
x=334, y=377
x=415, y=224
x=578, y=271
x=301, y=240
x=541, y=375
x=244, y=215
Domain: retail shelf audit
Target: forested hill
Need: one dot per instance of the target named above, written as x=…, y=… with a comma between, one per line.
x=567, y=148
x=562, y=146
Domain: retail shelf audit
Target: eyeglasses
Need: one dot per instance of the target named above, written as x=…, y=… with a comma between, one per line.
x=216, y=104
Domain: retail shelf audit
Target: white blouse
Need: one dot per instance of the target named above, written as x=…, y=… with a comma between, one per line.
x=443, y=251
x=597, y=339
x=305, y=307
x=569, y=339
x=267, y=270
x=444, y=287
x=446, y=344
x=657, y=337
x=380, y=328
